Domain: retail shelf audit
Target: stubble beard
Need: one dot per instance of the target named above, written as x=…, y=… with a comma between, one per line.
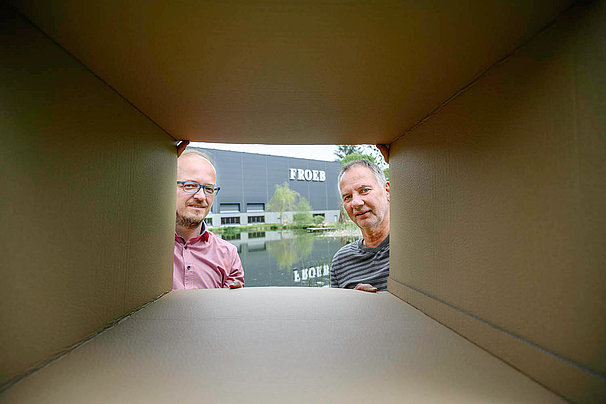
x=372, y=223
x=354, y=219
x=368, y=224
x=188, y=222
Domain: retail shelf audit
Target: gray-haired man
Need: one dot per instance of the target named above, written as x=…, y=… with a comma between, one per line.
x=364, y=264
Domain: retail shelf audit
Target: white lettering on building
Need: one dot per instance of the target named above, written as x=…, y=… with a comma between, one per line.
x=301, y=174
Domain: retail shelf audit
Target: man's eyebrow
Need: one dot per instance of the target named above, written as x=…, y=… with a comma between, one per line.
x=364, y=186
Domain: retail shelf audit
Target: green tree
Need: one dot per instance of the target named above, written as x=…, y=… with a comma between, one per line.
x=386, y=172
x=347, y=153
x=376, y=154
x=303, y=215
x=345, y=149
x=283, y=200
x=357, y=156
x=291, y=248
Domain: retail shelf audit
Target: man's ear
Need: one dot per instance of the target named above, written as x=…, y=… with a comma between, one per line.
x=387, y=189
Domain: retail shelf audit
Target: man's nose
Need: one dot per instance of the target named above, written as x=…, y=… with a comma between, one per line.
x=200, y=195
x=356, y=200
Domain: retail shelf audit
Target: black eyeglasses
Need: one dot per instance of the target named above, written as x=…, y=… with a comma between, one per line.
x=192, y=187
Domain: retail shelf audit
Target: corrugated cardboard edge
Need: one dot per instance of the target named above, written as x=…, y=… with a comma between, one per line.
x=559, y=375
x=77, y=345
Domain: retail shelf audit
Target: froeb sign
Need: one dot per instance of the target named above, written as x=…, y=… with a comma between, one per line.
x=300, y=174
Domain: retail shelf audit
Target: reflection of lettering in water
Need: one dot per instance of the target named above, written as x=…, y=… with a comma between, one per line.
x=289, y=250
x=304, y=274
x=284, y=265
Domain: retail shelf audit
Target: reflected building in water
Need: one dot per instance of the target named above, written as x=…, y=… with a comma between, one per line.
x=248, y=181
x=286, y=258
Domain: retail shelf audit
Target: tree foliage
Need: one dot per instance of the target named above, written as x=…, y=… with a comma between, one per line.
x=347, y=153
x=283, y=200
x=374, y=151
x=386, y=172
x=291, y=250
x=345, y=149
x=357, y=156
x=303, y=215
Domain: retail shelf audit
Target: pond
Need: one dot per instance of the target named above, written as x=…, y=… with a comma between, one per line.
x=287, y=258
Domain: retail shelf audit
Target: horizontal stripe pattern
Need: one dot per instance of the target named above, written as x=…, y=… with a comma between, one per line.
x=356, y=263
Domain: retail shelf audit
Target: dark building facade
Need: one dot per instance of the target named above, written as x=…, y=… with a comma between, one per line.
x=248, y=182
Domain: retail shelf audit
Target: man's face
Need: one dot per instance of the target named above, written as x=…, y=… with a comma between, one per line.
x=193, y=208
x=366, y=202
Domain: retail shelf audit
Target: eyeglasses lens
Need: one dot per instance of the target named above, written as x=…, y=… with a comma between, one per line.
x=210, y=190
x=193, y=187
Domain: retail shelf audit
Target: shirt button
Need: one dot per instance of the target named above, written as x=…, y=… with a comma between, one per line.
x=185, y=247
x=188, y=267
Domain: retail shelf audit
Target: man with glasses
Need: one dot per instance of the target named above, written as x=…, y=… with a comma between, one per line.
x=202, y=260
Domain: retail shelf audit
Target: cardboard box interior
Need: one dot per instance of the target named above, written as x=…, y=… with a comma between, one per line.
x=498, y=221
x=259, y=345
x=498, y=203
x=86, y=182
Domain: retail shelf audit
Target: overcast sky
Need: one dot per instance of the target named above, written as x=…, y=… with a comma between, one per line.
x=316, y=152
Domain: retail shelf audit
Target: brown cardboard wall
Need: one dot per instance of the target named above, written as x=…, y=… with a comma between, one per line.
x=279, y=345
x=499, y=225
x=86, y=179
x=289, y=71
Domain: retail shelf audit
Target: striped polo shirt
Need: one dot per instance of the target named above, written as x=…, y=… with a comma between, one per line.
x=355, y=263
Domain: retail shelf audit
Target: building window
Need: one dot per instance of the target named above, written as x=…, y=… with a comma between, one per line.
x=255, y=207
x=230, y=220
x=229, y=207
x=228, y=237
x=256, y=219
x=319, y=214
x=256, y=234
x=209, y=221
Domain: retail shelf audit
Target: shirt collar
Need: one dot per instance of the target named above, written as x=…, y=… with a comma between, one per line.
x=204, y=235
x=362, y=247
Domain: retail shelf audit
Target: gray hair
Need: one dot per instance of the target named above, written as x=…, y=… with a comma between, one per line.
x=379, y=175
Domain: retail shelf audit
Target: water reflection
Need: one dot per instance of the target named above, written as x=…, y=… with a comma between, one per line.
x=291, y=249
x=286, y=258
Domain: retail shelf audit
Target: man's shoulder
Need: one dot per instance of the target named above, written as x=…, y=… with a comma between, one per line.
x=347, y=249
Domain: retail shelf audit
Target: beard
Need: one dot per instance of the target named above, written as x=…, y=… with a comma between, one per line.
x=188, y=222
